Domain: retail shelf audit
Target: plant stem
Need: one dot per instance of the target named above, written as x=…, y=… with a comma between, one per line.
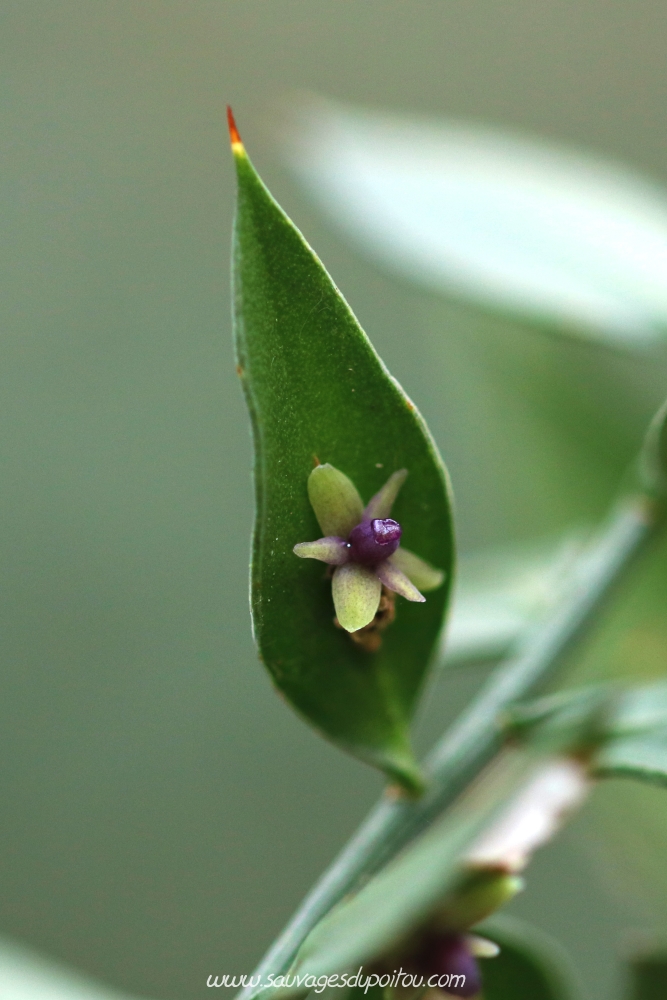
x=474, y=737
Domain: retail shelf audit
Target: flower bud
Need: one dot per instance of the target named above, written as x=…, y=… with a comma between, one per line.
x=483, y=892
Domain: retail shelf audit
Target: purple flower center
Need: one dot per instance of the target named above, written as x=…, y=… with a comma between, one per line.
x=373, y=541
x=449, y=957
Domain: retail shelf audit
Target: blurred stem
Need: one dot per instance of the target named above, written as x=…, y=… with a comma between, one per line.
x=474, y=738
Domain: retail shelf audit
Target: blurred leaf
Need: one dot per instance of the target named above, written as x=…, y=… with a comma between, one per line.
x=515, y=223
x=566, y=721
x=501, y=593
x=639, y=711
x=648, y=975
x=530, y=966
x=623, y=829
x=317, y=390
x=405, y=893
x=625, y=730
x=27, y=975
x=653, y=461
x=643, y=758
x=638, y=744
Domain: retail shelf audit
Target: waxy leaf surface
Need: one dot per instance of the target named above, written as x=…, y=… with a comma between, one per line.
x=318, y=392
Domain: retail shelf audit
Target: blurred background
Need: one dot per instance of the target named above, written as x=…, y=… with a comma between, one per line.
x=163, y=812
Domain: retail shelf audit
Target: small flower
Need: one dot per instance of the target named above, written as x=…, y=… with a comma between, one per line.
x=446, y=948
x=364, y=546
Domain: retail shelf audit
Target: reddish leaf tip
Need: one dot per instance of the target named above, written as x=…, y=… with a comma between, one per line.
x=237, y=144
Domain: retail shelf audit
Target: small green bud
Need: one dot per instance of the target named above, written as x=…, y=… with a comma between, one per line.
x=335, y=500
x=481, y=894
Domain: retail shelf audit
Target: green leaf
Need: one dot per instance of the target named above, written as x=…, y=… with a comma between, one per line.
x=406, y=893
x=648, y=973
x=530, y=966
x=317, y=391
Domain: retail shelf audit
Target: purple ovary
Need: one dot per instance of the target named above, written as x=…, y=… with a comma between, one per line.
x=373, y=541
x=449, y=957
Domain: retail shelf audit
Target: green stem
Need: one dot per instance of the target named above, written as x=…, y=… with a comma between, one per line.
x=474, y=738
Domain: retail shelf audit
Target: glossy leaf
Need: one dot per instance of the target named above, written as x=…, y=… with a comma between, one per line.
x=530, y=966
x=410, y=889
x=515, y=223
x=317, y=392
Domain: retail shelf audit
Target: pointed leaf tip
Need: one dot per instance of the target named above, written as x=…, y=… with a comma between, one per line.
x=288, y=315
x=234, y=137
